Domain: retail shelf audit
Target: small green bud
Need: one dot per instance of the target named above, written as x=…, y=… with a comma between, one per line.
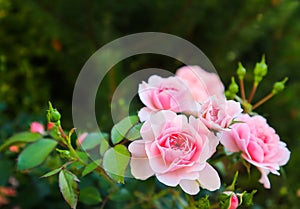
x=241, y=71
x=279, y=86
x=248, y=198
x=260, y=70
x=66, y=154
x=233, y=87
x=53, y=115
x=229, y=95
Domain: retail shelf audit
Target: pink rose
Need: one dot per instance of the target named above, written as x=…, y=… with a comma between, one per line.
x=165, y=94
x=259, y=144
x=37, y=127
x=202, y=84
x=217, y=114
x=234, y=200
x=175, y=150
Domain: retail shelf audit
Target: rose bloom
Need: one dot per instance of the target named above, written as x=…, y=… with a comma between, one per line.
x=201, y=83
x=165, y=94
x=218, y=114
x=175, y=149
x=259, y=144
x=37, y=127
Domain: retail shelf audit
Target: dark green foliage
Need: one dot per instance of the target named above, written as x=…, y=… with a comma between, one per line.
x=44, y=44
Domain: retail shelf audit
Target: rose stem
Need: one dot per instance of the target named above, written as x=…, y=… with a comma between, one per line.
x=263, y=100
x=242, y=89
x=252, y=93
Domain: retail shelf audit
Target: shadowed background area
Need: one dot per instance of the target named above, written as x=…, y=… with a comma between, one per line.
x=44, y=44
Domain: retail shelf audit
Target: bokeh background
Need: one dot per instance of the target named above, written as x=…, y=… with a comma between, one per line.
x=44, y=44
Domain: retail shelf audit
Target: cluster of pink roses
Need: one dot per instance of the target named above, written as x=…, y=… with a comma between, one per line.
x=186, y=117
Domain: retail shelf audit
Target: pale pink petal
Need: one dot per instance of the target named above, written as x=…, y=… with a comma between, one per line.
x=228, y=141
x=145, y=113
x=173, y=178
x=139, y=163
x=140, y=168
x=137, y=148
x=283, y=154
x=189, y=186
x=158, y=120
x=209, y=178
x=146, y=132
x=264, y=178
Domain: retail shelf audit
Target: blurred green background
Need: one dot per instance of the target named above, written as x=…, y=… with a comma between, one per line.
x=44, y=44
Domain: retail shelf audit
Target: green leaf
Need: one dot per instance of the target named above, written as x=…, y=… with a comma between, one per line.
x=24, y=137
x=69, y=187
x=51, y=173
x=90, y=167
x=134, y=132
x=90, y=196
x=35, y=153
x=119, y=130
x=103, y=147
x=115, y=161
x=92, y=140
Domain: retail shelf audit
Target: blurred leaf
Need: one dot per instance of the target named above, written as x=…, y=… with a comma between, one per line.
x=6, y=168
x=121, y=195
x=115, y=162
x=90, y=167
x=134, y=132
x=34, y=154
x=23, y=137
x=119, y=130
x=69, y=187
x=90, y=196
x=92, y=140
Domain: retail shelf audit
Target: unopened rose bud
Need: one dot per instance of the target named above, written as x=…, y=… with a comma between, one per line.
x=53, y=115
x=36, y=127
x=260, y=70
x=279, y=86
x=233, y=87
x=241, y=71
x=233, y=201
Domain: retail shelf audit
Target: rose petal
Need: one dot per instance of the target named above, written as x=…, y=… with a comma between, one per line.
x=173, y=178
x=189, y=186
x=140, y=168
x=145, y=113
x=264, y=178
x=209, y=178
x=139, y=163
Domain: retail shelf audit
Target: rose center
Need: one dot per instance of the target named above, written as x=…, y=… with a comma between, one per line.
x=179, y=142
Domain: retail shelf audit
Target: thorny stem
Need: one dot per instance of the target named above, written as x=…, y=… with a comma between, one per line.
x=263, y=100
